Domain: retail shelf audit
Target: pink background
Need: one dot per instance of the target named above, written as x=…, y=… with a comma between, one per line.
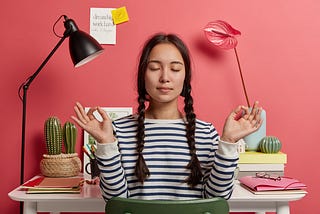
x=278, y=49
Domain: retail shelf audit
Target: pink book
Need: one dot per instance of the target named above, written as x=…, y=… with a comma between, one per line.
x=267, y=184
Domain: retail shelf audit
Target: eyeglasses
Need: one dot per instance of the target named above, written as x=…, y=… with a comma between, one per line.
x=268, y=176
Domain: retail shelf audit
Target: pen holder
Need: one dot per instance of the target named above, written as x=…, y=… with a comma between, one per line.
x=94, y=169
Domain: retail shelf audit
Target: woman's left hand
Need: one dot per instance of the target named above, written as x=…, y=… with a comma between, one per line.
x=241, y=122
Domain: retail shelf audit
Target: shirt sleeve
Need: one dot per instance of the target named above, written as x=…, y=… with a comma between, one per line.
x=112, y=178
x=220, y=177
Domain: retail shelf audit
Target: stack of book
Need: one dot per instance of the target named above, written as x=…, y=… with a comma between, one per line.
x=41, y=184
x=252, y=162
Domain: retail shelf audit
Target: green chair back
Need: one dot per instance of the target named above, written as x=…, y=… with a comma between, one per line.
x=135, y=206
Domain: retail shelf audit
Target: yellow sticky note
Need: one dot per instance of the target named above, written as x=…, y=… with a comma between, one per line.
x=120, y=15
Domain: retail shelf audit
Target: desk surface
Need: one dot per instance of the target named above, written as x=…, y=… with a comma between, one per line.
x=90, y=200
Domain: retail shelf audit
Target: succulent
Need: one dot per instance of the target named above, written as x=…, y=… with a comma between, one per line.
x=53, y=135
x=270, y=144
x=69, y=137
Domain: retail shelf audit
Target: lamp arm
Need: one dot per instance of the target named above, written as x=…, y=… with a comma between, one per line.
x=35, y=74
x=25, y=87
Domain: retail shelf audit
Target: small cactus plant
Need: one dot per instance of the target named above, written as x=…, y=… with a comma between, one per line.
x=53, y=135
x=270, y=144
x=69, y=137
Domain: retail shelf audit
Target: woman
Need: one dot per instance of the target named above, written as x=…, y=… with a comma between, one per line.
x=160, y=152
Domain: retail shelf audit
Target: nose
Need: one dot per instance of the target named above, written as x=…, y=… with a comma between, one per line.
x=164, y=77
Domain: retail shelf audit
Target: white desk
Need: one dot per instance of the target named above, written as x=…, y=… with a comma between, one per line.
x=90, y=200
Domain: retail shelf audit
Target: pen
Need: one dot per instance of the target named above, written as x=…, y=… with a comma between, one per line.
x=86, y=152
x=93, y=149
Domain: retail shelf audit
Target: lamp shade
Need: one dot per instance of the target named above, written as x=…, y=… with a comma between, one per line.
x=83, y=48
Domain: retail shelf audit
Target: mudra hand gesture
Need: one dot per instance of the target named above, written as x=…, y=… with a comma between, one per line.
x=100, y=130
x=241, y=122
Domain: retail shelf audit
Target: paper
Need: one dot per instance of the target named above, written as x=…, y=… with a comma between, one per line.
x=120, y=15
x=101, y=25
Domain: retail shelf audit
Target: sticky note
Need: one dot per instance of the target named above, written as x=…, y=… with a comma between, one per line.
x=120, y=15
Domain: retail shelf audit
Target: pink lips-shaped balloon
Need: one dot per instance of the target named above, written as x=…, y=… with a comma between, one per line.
x=221, y=34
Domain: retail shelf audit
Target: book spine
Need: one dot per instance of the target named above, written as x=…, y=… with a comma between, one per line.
x=259, y=157
x=260, y=167
x=250, y=173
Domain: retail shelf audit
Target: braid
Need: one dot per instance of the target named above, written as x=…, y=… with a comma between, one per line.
x=141, y=170
x=194, y=164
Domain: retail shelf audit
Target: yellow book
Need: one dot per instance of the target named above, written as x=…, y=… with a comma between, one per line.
x=259, y=157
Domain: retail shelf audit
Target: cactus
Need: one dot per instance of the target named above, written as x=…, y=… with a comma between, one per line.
x=69, y=137
x=270, y=144
x=53, y=135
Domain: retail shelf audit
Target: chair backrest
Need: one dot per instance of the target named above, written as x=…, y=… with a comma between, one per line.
x=135, y=206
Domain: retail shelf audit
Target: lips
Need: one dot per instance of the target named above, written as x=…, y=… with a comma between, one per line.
x=164, y=89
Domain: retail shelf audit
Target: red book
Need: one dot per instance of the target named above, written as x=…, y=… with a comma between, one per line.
x=33, y=182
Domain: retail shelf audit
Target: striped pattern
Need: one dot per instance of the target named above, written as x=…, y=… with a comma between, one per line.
x=166, y=153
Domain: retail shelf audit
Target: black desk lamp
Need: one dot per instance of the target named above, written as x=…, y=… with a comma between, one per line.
x=83, y=48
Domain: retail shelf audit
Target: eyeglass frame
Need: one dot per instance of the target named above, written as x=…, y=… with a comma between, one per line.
x=268, y=176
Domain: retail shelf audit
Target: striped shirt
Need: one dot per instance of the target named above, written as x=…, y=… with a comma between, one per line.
x=166, y=153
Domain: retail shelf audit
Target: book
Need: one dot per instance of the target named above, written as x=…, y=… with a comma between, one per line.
x=33, y=182
x=69, y=182
x=259, y=157
x=41, y=184
x=261, y=167
x=268, y=184
x=253, y=173
x=54, y=190
x=275, y=192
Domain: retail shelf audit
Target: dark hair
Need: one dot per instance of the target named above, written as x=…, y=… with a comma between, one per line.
x=141, y=170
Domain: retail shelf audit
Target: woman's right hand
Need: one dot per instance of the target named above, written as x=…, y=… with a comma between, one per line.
x=101, y=131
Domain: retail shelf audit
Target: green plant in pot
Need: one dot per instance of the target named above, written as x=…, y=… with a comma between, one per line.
x=69, y=137
x=55, y=163
x=53, y=135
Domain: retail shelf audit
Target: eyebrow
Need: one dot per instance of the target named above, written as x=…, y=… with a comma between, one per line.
x=158, y=61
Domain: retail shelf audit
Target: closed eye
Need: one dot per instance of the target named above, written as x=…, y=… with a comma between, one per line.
x=176, y=66
x=153, y=66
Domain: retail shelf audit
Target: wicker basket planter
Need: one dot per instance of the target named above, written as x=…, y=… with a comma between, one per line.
x=62, y=165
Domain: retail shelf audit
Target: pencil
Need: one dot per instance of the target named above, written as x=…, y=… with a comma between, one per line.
x=86, y=152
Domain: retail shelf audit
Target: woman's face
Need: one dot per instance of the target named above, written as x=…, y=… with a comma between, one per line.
x=165, y=74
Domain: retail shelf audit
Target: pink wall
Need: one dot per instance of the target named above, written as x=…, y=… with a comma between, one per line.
x=279, y=51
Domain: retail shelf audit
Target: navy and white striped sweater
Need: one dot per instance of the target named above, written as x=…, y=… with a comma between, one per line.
x=166, y=153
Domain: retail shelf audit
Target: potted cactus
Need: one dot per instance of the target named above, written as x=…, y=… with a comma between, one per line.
x=53, y=135
x=69, y=137
x=55, y=163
